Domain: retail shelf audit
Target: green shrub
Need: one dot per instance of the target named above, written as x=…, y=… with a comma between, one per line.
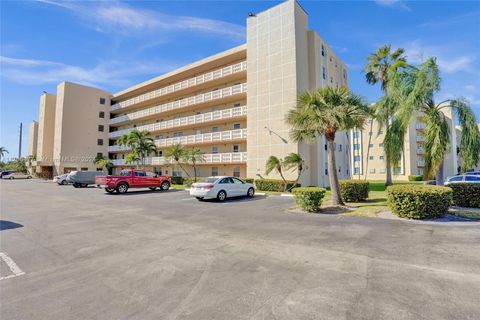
x=188, y=181
x=249, y=180
x=354, y=190
x=415, y=178
x=466, y=194
x=419, y=201
x=273, y=184
x=177, y=180
x=309, y=198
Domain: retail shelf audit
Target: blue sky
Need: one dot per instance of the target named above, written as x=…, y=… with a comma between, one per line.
x=114, y=44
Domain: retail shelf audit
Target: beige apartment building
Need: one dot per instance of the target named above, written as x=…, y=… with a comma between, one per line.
x=368, y=158
x=72, y=129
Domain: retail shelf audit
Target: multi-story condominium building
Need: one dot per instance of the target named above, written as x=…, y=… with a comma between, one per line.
x=72, y=129
x=232, y=106
x=368, y=158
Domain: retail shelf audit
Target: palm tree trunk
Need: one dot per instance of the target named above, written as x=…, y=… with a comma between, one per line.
x=439, y=175
x=368, y=148
x=296, y=180
x=388, y=166
x=194, y=172
x=332, y=174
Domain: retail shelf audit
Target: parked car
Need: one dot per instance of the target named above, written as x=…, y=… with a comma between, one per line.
x=221, y=187
x=473, y=173
x=61, y=179
x=463, y=179
x=17, y=175
x=6, y=172
x=132, y=178
x=82, y=179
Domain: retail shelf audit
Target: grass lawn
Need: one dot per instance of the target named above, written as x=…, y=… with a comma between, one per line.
x=469, y=214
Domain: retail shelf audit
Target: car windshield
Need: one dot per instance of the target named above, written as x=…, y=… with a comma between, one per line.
x=125, y=173
x=210, y=180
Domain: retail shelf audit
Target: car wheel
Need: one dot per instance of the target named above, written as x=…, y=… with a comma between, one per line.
x=122, y=188
x=85, y=185
x=75, y=185
x=251, y=192
x=64, y=182
x=29, y=177
x=165, y=186
x=152, y=188
x=11, y=178
x=221, y=195
x=110, y=190
x=199, y=198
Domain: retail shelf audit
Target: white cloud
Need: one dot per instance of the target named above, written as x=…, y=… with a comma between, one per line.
x=119, y=18
x=392, y=3
x=111, y=73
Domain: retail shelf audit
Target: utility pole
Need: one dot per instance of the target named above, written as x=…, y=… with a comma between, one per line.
x=20, y=142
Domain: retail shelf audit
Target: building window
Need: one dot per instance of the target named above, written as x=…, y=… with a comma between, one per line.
x=370, y=145
x=356, y=146
x=344, y=74
x=102, y=100
x=160, y=153
x=178, y=134
x=99, y=155
x=236, y=126
x=324, y=73
x=99, y=142
x=176, y=172
x=382, y=171
x=101, y=114
x=356, y=135
x=215, y=129
x=370, y=158
x=339, y=147
x=236, y=148
x=380, y=132
x=326, y=147
x=236, y=172
x=381, y=145
x=214, y=171
x=331, y=79
x=356, y=170
x=324, y=53
x=382, y=157
x=236, y=105
x=214, y=149
x=356, y=158
x=100, y=127
x=372, y=170
x=326, y=172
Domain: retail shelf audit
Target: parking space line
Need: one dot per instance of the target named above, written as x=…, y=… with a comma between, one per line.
x=12, y=265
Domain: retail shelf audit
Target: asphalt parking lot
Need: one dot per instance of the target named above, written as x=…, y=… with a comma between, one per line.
x=84, y=254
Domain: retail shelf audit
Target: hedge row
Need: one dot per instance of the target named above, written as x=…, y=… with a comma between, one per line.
x=415, y=178
x=354, y=190
x=419, y=201
x=466, y=194
x=309, y=198
x=274, y=184
x=177, y=180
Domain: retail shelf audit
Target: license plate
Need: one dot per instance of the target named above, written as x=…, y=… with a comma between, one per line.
x=199, y=188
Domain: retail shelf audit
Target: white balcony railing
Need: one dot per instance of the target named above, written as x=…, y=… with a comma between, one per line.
x=233, y=157
x=185, y=102
x=420, y=163
x=420, y=126
x=216, y=74
x=186, y=121
x=239, y=134
x=420, y=138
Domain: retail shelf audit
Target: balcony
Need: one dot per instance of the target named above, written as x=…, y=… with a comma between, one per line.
x=420, y=151
x=421, y=163
x=203, y=78
x=420, y=126
x=210, y=158
x=222, y=136
x=187, y=121
x=420, y=138
x=182, y=103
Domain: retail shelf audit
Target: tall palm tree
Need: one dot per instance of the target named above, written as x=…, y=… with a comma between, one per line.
x=276, y=164
x=176, y=152
x=294, y=161
x=132, y=158
x=193, y=156
x=325, y=112
x=104, y=163
x=3, y=152
x=139, y=142
x=416, y=92
x=381, y=67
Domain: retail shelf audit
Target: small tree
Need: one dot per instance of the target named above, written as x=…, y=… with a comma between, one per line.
x=132, y=158
x=193, y=156
x=104, y=163
x=139, y=142
x=176, y=152
x=294, y=161
x=275, y=164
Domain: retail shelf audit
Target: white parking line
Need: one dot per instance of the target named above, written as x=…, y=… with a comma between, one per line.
x=12, y=265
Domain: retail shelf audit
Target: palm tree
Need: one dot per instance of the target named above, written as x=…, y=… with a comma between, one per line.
x=324, y=112
x=132, y=158
x=193, y=156
x=275, y=164
x=416, y=92
x=3, y=152
x=381, y=67
x=176, y=152
x=295, y=161
x=139, y=142
x=104, y=163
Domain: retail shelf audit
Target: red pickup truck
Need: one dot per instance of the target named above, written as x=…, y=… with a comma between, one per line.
x=132, y=178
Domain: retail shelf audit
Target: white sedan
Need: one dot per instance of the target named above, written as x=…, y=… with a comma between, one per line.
x=463, y=179
x=17, y=175
x=220, y=188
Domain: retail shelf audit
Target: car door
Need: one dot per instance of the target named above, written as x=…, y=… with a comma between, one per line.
x=240, y=187
x=138, y=179
x=472, y=179
x=227, y=185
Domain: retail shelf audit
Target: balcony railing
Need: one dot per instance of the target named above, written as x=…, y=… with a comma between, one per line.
x=185, y=102
x=216, y=74
x=233, y=157
x=186, y=121
x=420, y=138
x=420, y=151
x=421, y=163
x=239, y=134
x=420, y=126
